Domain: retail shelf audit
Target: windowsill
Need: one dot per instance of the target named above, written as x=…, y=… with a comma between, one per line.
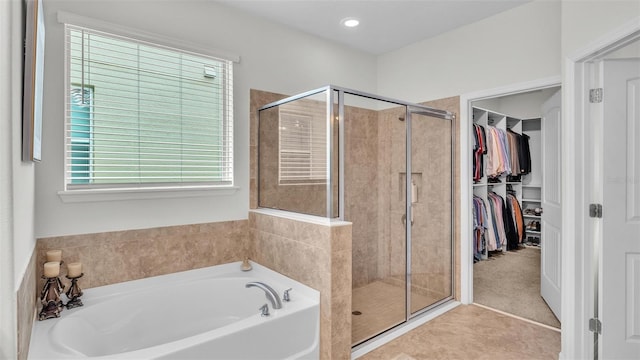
x=95, y=195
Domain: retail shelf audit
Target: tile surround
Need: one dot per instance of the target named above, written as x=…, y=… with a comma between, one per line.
x=118, y=256
x=27, y=300
x=318, y=256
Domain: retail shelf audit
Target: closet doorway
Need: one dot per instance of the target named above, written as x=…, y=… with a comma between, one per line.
x=515, y=203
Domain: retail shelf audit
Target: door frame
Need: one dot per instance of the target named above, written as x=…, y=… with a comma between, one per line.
x=579, y=262
x=466, y=184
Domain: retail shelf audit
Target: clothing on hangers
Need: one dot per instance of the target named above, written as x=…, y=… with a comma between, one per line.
x=480, y=230
x=519, y=220
x=514, y=151
x=524, y=154
x=512, y=225
x=498, y=154
x=497, y=207
x=479, y=149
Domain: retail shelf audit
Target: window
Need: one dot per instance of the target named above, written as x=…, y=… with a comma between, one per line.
x=81, y=100
x=303, y=150
x=143, y=115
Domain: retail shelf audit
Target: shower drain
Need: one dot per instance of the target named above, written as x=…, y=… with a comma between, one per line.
x=356, y=312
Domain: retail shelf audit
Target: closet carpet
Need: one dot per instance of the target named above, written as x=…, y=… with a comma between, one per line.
x=511, y=283
x=472, y=332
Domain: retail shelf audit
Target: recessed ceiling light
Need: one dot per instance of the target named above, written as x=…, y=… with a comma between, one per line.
x=350, y=22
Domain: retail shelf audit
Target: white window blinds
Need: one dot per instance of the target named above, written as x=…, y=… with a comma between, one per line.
x=303, y=149
x=140, y=114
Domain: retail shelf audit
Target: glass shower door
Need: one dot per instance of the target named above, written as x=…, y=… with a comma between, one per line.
x=397, y=168
x=430, y=256
x=374, y=166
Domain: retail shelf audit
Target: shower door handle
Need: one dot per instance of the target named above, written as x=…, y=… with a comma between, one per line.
x=404, y=220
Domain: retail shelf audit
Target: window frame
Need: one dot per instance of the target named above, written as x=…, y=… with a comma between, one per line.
x=150, y=190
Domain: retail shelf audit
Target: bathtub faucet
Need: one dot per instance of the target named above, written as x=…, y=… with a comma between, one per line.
x=271, y=294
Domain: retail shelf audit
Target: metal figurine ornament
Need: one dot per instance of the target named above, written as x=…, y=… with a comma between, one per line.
x=74, y=293
x=50, y=298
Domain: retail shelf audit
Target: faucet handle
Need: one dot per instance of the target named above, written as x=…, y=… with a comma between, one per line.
x=286, y=296
x=264, y=310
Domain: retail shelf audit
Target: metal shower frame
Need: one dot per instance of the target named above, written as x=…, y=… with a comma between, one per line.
x=333, y=92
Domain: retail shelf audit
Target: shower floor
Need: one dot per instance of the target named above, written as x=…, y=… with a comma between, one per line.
x=382, y=306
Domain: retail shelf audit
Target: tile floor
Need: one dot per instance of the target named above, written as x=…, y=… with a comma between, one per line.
x=472, y=332
x=382, y=306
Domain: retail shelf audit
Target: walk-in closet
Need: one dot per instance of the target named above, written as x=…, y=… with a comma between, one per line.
x=515, y=165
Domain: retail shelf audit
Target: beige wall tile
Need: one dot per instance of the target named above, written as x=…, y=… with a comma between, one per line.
x=27, y=300
x=304, y=252
x=136, y=254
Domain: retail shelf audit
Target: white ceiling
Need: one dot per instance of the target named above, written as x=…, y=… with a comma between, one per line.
x=385, y=25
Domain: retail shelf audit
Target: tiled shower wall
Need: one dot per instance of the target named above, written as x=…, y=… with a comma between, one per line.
x=375, y=159
x=375, y=164
x=361, y=189
x=361, y=181
x=431, y=172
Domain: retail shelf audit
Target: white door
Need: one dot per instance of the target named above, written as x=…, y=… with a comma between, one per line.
x=551, y=226
x=620, y=259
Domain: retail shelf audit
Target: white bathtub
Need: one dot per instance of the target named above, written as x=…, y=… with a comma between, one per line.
x=205, y=313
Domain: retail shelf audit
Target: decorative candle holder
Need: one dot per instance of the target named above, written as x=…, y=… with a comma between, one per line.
x=74, y=293
x=50, y=298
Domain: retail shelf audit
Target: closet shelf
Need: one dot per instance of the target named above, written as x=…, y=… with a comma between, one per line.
x=532, y=200
x=531, y=216
x=509, y=192
x=533, y=232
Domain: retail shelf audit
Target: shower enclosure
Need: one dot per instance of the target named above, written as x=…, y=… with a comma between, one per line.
x=385, y=166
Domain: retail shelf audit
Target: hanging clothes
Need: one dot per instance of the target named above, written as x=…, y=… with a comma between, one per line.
x=491, y=233
x=514, y=140
x=524, y=154
x=511, y=223
x=479, y=149
x=516, y=213
x=497, y=207
x=480, y=230
x=498, y=154
x=498, y=221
